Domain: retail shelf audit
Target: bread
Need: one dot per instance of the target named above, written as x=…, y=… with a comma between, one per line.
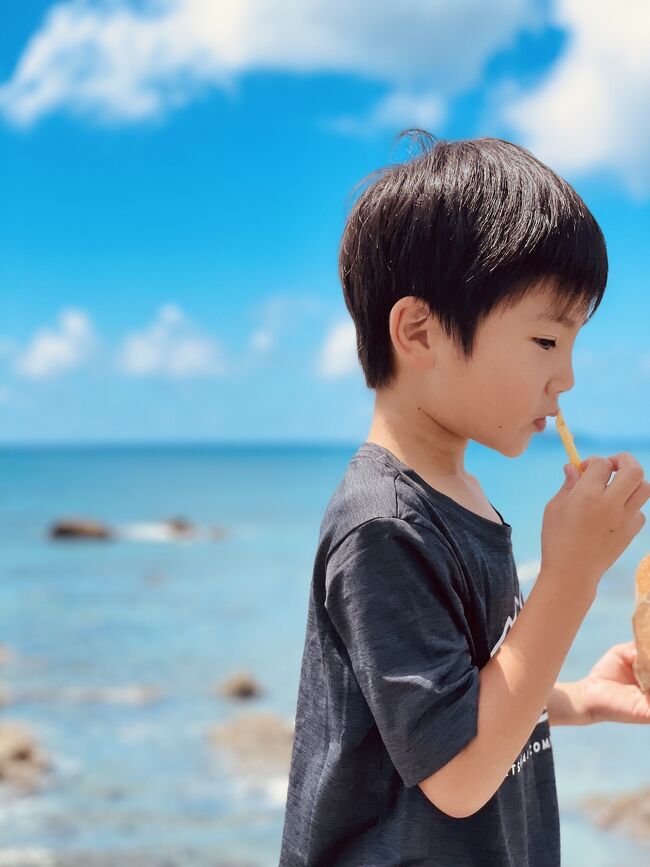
x=641, y=624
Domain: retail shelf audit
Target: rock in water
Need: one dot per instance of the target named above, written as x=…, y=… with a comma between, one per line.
x=259, y=743
x=239, y=685
x=21, y=760
x=79, y=529
x=629, y=813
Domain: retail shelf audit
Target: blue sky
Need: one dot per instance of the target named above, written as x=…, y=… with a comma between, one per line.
x=175, y=178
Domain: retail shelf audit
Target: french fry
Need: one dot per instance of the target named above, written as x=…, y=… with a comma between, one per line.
x=567, y=439
x=641, y=624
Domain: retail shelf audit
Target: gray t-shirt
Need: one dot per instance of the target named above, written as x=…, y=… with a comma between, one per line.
x=411, y=594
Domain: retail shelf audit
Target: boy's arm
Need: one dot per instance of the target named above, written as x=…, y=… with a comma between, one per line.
x=515, y=685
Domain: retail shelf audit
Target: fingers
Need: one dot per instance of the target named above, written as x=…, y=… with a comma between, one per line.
x=628, y=490
x=639, y=498
x=597, y=469
x=629, y=480
x=628, y=649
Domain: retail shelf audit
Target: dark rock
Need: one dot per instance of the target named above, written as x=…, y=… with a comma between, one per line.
x=22, y=762
x=180, y=526
x=239, y=685
x=79, y=529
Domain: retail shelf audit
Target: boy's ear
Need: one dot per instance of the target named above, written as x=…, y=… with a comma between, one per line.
x=410, y=310
x=419, y=308
x=410, y=328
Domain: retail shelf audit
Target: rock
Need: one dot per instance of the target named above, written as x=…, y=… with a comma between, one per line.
x=169, y=530
x=629, y=813
x=181, y=527
x=239, y=685
x=258, y=743
x=79, y=529
x=21, y=760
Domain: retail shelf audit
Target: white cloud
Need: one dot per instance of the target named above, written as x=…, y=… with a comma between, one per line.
x=120, y=62
x=171, y=347
x=426, y=110
x=278, y=314
x=338, y=355
x=52, y=352
x=591, y=110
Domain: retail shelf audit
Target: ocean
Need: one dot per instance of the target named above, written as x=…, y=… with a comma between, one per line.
x=115, y=649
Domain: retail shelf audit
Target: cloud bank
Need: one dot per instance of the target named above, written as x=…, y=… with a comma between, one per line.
x=171, y=347
x=118, y=62
x=591, y=111
x=54, y=351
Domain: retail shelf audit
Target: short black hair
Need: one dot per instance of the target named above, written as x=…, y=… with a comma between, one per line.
x=467, y=226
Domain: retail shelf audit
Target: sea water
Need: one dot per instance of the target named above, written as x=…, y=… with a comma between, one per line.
x=140, y=782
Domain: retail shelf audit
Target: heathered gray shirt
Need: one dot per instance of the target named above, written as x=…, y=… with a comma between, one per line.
x=411, y=594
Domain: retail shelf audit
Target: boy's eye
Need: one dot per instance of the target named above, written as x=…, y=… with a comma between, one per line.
x=541, y=340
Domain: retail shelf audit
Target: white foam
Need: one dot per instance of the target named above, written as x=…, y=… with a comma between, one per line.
x=152, y=531
x=273, y=790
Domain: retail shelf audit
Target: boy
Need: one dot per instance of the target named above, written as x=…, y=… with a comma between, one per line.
x=427, y=688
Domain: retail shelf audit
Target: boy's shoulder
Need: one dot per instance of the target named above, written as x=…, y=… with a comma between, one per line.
x=377, y=485
x=372, y=487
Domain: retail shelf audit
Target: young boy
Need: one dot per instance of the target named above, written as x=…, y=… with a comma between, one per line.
x=427, y=689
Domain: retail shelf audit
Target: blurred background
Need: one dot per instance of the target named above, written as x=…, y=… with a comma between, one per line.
x=180, y=394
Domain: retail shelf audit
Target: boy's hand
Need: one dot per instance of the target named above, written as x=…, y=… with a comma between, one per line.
x=591, y=521
x=610, y=691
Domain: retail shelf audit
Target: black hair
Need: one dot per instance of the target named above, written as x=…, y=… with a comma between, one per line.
x=467, y=226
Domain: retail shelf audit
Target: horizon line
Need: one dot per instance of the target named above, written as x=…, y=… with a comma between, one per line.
x=9, y=445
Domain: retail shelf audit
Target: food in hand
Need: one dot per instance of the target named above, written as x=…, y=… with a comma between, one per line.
x=641, y=624
x=567, y=439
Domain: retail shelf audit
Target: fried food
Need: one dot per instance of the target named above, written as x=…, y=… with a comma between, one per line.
x=567, y=439
x=641, y=624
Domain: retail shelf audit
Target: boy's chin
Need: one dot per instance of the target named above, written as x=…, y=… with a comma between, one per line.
x=517, y=448
x=512, y=449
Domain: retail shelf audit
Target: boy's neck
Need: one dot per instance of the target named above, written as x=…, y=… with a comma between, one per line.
x=422, y=443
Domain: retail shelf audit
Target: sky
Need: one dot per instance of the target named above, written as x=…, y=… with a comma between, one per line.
x=175, y=177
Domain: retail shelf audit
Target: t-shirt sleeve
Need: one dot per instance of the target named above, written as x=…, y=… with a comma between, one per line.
x=394, y=595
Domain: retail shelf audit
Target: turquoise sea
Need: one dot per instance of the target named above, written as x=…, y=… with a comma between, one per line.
x=138, y=782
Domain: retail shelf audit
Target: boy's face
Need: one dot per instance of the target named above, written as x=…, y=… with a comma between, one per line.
x=521, y=364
